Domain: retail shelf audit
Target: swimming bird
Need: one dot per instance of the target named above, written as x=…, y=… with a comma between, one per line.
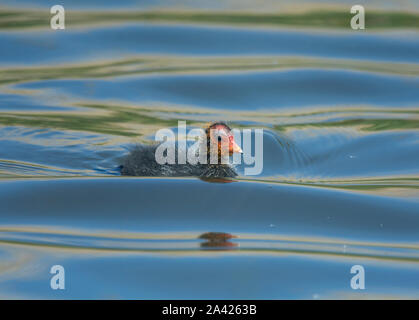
x=218, y=142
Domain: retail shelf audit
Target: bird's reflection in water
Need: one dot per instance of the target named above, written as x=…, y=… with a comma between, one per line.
x=218, y=240
x=217, y=180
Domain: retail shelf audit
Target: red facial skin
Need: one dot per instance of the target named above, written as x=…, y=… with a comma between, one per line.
x=232, y=146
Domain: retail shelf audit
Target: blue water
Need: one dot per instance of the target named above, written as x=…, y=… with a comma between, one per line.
x=126, y=40
x=340, y=178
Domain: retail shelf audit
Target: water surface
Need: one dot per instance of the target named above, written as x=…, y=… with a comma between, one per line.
x=339, y=185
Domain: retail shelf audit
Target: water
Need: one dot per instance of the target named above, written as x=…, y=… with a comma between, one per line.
x=339, y=186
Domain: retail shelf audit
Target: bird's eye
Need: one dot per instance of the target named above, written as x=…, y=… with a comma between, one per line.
x=219, y=139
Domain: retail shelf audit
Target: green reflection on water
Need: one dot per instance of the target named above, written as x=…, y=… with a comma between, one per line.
x=189, y=244
x=129, y=121
x=329, y=19
x=110, y=121
x=363, y=124
x=144, y=65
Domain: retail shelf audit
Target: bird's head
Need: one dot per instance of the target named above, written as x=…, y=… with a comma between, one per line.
x=220, y=139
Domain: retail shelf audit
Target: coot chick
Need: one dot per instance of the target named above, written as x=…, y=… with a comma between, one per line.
x=141, y=161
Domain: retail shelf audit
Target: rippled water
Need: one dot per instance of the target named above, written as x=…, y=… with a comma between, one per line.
x=339, y=187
